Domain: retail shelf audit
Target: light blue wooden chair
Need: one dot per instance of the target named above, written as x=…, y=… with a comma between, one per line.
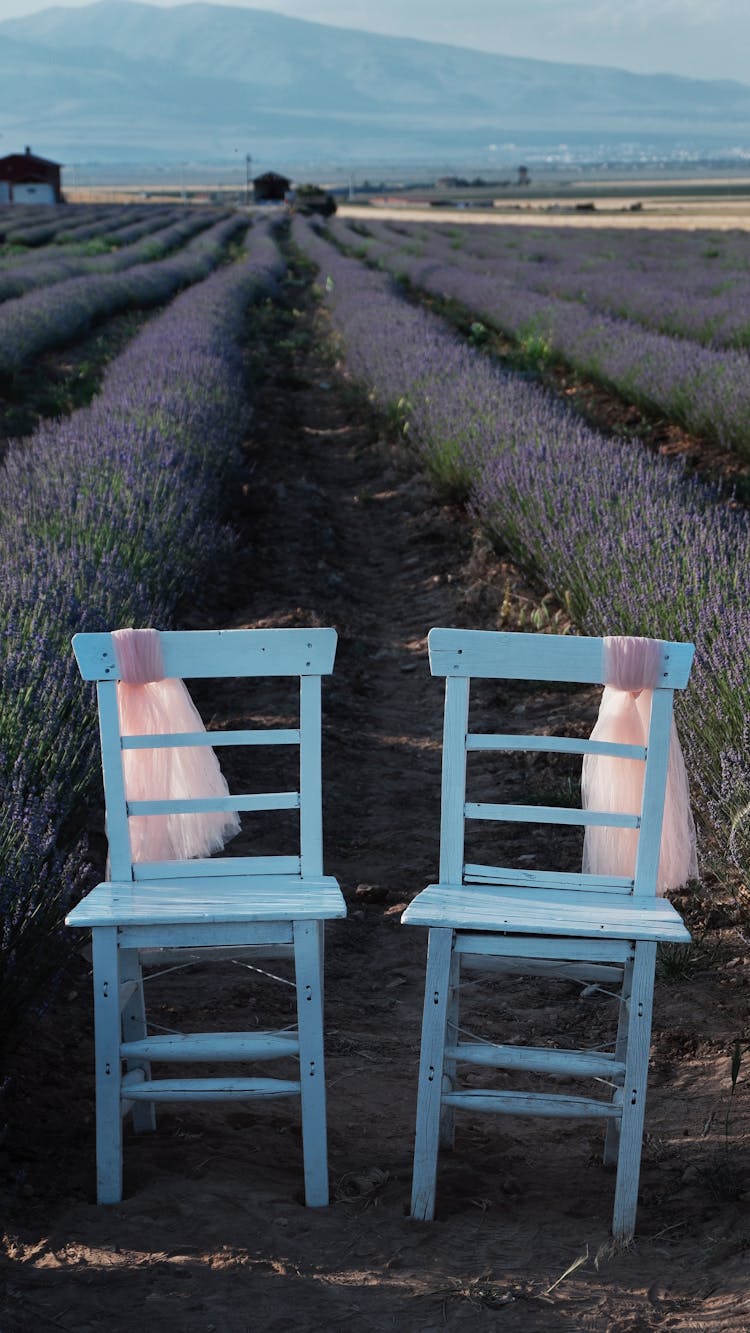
x=596, y=929
x=266, y=904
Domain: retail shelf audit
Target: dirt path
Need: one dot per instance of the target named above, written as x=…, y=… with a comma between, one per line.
x=212, y=1235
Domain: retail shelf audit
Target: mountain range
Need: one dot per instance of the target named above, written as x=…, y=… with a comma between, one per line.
x=124, y=81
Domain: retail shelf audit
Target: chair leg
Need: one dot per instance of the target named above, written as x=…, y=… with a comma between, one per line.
x=612, y=1135
x=634, y=1091
x=308, y=953
x=447, y=1114
x=134, y=1029
x=437, y=990
x=108, y=1068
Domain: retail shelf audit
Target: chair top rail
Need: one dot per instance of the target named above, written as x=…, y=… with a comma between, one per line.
x=499, y=655
x=194, y=654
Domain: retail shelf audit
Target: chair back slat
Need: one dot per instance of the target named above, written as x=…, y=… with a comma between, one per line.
x=478, y=740
x=475, y=873
x=548, y=814
x=217, y=867
x=196, y=805
x=295, y=653
x=175, y=739
x=461, y=655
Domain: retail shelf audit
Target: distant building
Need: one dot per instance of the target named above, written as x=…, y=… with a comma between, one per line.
x=28, y=179
x=270, y=188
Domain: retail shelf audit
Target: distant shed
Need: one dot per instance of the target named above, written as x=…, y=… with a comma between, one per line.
x=28, y=179
x=270, y=188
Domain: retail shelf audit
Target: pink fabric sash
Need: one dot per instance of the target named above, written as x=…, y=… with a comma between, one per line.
x=151, y=705
x=616, y=785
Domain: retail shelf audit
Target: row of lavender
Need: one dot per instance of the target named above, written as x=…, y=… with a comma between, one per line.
x=64, y=224
x=52, y=315
x=73, y=236
x=96, y=237
x=692, y=285
x=705, y=390
x=136, y=243
x=20, y=217
x=631, y=544
x=107, y=518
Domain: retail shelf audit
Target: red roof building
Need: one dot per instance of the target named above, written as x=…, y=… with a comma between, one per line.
x=28, y=179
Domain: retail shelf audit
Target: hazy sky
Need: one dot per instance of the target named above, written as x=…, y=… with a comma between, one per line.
x=701, y=38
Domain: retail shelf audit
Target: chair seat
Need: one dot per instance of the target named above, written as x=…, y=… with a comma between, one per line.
x=210, y=899
x=511, y=911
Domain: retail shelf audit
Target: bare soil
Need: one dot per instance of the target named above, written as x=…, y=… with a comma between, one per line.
x=338, y=528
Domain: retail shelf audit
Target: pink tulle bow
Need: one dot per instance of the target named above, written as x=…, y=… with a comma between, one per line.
x=616, y=785
x=151, y=704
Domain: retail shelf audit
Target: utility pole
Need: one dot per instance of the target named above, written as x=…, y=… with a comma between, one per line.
x=248, y=163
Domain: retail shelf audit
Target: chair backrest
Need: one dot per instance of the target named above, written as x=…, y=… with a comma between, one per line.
x=461, y=655
x=304, y=653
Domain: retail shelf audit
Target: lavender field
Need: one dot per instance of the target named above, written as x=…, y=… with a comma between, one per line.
x=110, y=514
